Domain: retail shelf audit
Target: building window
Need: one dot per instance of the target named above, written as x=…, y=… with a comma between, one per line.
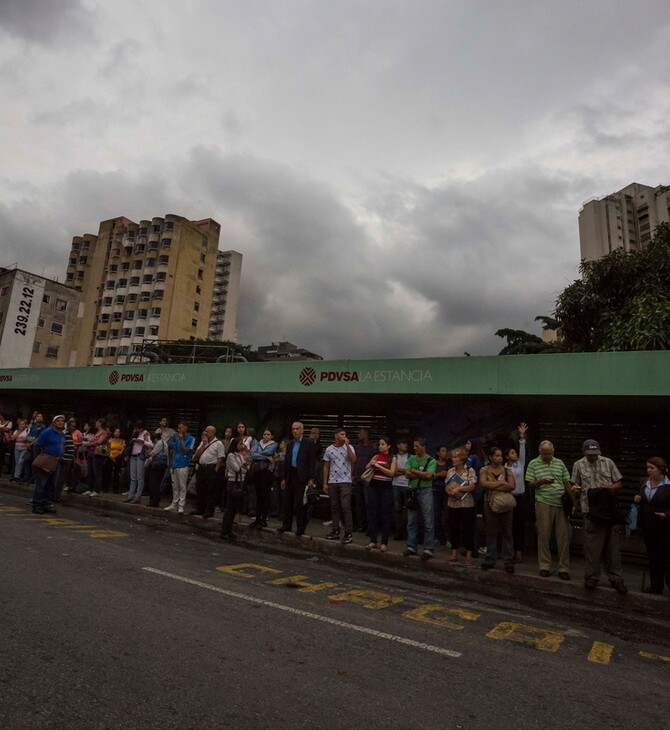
x=142, y=231
x=166, y=242
x=113, y=268
x=46, y=299
x=69, y=276
x=137, y=264
x=119, y=299
x=125, y=266
x=102, y=335
x=200, y=274
x=83, y=260
x=131, y=298
x=161, y=276
x=56, y=328
x=147, y=279
x=196, y=306
x=153, y=330
x=127, y=332
x=85, y=244
x=122, y=283
x=151, y=262
x=80, y=275
x=198, y=289
x=72, y=261
x=140, y=248
x=134, y=281
x=99, y=352
x=113, y=334
x=104, y=318
x=111, y=352
x=155, y=229
x=52, y=351
x=40, y=322
x=139, y=331
x=194, y=323
x=162, y=260
x=202, y=258
x=116, y=252
x=36, y=346
x=107, y=301
x=158, y=294
x=142, y=313
x=145, y=296
x=128, y=316
x=109, y=284
x=156, y=312
x=124, y=350
x=169, y=226
x=61, y=305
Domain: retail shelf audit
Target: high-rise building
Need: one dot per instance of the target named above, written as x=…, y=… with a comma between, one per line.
x=223, y=320
x=152, y=279
x=626, y=219
x=38, y=319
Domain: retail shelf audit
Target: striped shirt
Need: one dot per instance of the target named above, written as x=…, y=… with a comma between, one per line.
x=556, y=470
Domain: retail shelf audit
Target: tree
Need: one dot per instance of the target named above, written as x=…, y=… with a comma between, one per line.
x=191, y=351
x=622, y=302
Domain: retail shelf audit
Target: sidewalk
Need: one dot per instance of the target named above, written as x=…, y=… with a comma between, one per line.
x=525, y=577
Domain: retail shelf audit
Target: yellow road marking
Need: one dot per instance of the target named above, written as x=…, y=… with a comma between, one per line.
x=239, y=569
x=660, y=657
x=426, y=614
x=600, y=653
x=528, y=635
x=302, y=580
x=367, y=599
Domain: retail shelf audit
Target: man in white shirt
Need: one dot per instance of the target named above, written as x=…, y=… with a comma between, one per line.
x=210, y=456
x=400, y=483
x=338, y=464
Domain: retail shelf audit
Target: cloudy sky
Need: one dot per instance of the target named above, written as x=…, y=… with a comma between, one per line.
x=403, y=177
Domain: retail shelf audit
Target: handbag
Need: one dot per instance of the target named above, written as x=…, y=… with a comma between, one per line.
x=501, y=501
x=412, y=499
x=367, y=475
x=102, y=450
x=45, y=462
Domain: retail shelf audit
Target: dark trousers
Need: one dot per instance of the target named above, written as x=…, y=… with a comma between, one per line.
x=378, y=503
x=293, y=506
x=263, y=485
x=99, y=464
x=206, y=489
x=519, y=522
x=657, y=541
x=439, y=502
x=156, y=475
x=6, y=447
x=233, y=506
x=462, y=527
x=64, y=477
x=45, y=488
x=114, y=473
x=358, y=505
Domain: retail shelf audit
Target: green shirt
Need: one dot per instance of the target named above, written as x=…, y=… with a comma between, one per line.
x=427, y=463
x=548, y=493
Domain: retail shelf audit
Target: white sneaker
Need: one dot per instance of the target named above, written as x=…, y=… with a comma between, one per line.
x=181, y=511
x=328, y=523
x=87, y=494
x=171, y=508
x=93, y=494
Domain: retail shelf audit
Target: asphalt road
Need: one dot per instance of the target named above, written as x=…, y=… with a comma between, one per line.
x=108, y=624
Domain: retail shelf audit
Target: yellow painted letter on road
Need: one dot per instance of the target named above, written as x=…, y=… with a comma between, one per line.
x=303, y=581
x=529, y=635
x=600, y=653
x=431, y=614
x=367, y=599
x=241, y=568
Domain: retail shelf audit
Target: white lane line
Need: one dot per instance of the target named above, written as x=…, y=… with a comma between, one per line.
x=308, y=614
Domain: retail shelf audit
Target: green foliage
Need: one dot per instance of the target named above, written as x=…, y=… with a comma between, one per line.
x=189, y=351
x=622, y=302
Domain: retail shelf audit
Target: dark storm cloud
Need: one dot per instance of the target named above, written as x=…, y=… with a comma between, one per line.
x=38, y=21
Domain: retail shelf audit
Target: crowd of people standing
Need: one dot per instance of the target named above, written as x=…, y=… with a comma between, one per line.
x=381, y=489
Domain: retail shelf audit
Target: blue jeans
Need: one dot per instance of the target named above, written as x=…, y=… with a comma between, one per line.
x=19, y=456
x=45, y=485
x=398, y=496
x=426, y=506
x=378, y=503
x=136, y=466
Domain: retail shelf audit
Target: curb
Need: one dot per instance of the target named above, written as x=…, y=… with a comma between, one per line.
x=433, y=573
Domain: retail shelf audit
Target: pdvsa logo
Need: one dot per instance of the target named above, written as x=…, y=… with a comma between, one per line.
x=6, y=378
x=307, y=376
x=116, y=377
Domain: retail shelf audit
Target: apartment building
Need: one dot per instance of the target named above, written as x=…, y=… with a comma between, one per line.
x=223, y=320
x=625, y=219
x=38, y=319
x=152, y=279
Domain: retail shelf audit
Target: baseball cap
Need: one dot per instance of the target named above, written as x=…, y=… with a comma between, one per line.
x=591, y=447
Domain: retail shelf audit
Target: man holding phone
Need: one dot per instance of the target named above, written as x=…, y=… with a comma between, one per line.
x=548, y=477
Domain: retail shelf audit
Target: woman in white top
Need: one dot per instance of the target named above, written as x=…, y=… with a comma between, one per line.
x=515, y=461
x=20, y=439
x=237, y=465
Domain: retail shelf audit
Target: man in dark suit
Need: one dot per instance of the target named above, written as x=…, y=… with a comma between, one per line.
x=299, y=470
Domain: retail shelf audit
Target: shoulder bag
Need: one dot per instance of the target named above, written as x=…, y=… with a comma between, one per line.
x=501, y=501
x=45, y=463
